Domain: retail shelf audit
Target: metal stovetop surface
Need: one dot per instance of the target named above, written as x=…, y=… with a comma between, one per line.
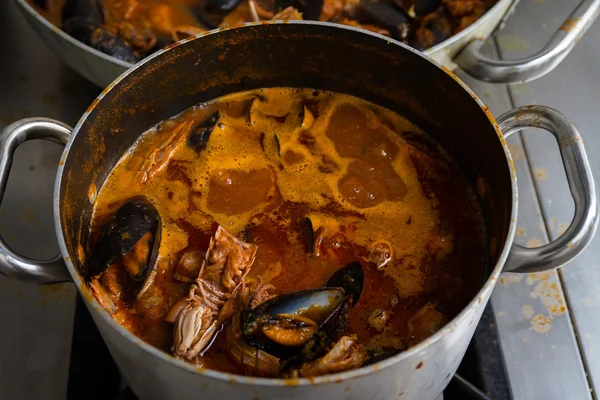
x=549, y=350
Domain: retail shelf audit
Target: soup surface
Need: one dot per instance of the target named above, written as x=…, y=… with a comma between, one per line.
x=214, y=216
x=132, y=29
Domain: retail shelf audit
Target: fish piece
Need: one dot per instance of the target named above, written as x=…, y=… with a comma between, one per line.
x=345, y=354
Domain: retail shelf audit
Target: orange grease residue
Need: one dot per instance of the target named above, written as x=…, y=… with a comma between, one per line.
x=540, y=174
x=508, y=279
x=527, y=311
x=534, y=243
x=515, y=152
x=570, y=24
x=546, y=289
x=541, y=324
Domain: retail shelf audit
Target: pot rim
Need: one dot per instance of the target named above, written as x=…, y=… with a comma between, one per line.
x=82, y=46
x=478, y=300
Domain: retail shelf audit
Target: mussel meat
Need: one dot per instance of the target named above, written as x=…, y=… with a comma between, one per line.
x=199, y=135
x=300, y=326
x=133, y=236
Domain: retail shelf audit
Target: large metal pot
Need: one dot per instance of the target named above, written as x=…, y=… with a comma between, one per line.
x=461, y=49
x=320, y=56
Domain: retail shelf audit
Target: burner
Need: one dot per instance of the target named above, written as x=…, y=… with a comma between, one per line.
x=481, y=375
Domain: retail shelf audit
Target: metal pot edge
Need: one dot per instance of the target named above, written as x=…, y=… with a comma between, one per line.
x=478, y=302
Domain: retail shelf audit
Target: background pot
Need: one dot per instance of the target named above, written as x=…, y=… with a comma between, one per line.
x=102, y=69
x=320, y=56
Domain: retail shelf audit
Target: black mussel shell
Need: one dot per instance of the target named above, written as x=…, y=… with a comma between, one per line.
x=441, y=29
x=350, y=278
x=127, y=226
x=327, y=307
x=395, y=20
x=200, y=134
x=309, y=235
x=90, y=32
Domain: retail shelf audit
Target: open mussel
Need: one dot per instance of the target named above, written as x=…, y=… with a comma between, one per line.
x=84, y=19
x=131, y=236
x=300, y=326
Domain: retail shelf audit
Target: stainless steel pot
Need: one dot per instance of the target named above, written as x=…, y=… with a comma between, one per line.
x=320, y=56
x=461, y=49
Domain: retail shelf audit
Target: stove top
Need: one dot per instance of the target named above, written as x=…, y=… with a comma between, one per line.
x=481, y=375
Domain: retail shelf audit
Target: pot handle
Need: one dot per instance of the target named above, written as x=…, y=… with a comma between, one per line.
x=526, y=69
x=581, y=183
x=13, y=264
